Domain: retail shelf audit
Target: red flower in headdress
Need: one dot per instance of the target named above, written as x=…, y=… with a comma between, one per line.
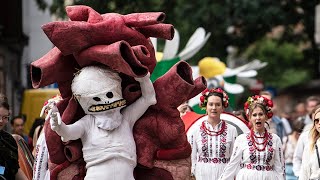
x=206, y=93
x=267, y=103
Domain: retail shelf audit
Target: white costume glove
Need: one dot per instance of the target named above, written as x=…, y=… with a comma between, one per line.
x=54, y=115
x=147, y=89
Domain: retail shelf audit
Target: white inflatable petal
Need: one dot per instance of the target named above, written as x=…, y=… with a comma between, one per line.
x=250, y=73
x=195, y=72
x=246, y=81
x=192, y=50
x=195, y=100
x=171, y=47
x=233, y=88
x=198, y=33
x=154, y=43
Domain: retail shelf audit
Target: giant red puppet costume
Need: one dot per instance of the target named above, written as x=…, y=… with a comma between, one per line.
x=118, y=44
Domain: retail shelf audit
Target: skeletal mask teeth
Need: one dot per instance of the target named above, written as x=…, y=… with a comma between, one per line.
x=105, y=107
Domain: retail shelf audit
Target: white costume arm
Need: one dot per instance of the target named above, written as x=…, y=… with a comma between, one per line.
x=67, y=132
x=148, y=98
x=278, y=158
x=305, y=171
x=233, y=166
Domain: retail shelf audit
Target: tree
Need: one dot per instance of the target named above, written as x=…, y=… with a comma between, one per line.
x=242, y=23
x=284, y=63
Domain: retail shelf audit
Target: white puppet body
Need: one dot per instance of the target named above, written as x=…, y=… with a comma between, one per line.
x=109, y=148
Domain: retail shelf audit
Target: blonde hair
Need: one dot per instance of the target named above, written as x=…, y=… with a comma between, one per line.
x=314, y=132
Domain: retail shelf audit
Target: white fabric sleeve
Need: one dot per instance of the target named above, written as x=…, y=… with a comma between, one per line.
x=233, y=135
x=194, y=152
x=40, y=166
x=139, y=107
x=297, y=155
x=233, y=166
x=72, y=131
x=305, y=172
x=279, y=158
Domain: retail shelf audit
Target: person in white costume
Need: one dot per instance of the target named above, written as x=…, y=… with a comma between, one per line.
x=310, y=167
x=257, y=155
x=105, y=131
x=212, y=142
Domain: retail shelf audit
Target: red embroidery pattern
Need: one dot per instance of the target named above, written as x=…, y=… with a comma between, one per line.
x=253, y=149
x=256, y=167
x=214, y=160
x=222, y=134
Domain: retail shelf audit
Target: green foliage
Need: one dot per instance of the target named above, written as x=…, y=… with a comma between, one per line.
x=285, y=63
x=251, y=20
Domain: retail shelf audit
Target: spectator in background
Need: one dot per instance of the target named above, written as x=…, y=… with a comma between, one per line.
x=310, y=104
x=299, y=110
x=301, y=144
x=242, y=115
x=275, y=123
x=289, y=146
x=35, y=132
x=310, y=161
x=184, y=108
x=9, y=165
x=17, y=124
x=41, y=162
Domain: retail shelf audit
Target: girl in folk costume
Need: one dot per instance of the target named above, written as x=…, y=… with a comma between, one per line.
x=257, y=155
x=213, y=140
x=310, y=159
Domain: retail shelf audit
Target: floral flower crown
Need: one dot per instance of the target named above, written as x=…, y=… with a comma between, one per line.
x=257, y=99
x=205, y=95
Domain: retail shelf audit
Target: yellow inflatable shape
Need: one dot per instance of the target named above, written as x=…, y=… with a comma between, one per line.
x=159, y=56
x=210, y=67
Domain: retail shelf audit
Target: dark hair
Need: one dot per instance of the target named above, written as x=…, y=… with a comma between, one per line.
x=21, y=116
x=37, y=122
x=298, y=125
x=4, y=101
x=242, y=113
x=215, y=94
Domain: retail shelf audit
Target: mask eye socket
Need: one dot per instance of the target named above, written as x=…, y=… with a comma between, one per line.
x=109, y=95
x=96, y=99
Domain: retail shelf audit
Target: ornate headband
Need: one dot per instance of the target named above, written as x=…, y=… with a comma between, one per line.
x=257, y=99
x=205, y=95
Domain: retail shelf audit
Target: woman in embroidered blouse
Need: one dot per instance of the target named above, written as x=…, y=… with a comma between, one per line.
x=257, y=155
x=212, y=142
x=310, y=161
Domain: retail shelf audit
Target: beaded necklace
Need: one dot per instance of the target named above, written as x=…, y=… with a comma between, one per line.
x=255, y=143
x=254, y=152
x=213, y=133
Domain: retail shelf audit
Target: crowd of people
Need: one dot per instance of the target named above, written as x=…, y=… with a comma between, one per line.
x=278, y=146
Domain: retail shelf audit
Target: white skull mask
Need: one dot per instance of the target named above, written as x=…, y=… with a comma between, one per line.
x=98, y=89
